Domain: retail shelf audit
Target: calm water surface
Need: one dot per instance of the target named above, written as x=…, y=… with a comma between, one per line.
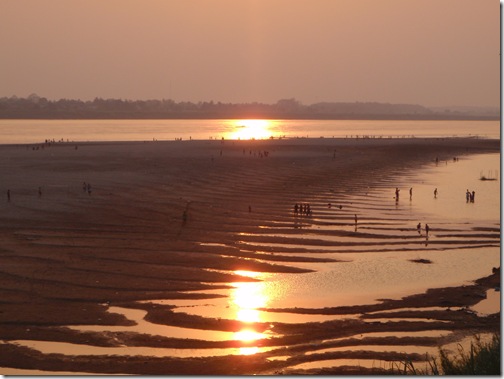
x=35, y=131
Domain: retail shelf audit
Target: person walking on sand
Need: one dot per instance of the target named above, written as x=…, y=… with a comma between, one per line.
x=410, y=193
x=426, y=230
x=468, y=196
x=472, y=196
x=435, y=193
x=419, y=228
x=397, y=194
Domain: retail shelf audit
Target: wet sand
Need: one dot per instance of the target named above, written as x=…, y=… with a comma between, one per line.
x=164, y=220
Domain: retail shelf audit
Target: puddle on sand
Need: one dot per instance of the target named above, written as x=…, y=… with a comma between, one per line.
x=491, y=304
x=371, y=276
x=77, y=349
x=27, y=372
x=146, y=327
x=367, y=363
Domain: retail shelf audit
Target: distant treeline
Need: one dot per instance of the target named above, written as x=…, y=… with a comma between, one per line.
x=36, y=107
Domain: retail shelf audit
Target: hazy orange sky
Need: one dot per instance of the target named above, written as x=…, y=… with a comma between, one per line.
x=428, y=52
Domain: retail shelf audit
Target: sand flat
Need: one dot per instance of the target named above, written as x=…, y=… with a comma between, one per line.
x=167, y=220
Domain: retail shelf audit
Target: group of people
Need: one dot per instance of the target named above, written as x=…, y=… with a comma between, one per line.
x=397, y=191
x=470, y=196
x=419, y=229
x=259, y=153
x=303, y=209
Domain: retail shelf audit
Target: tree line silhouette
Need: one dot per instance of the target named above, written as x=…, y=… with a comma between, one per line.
x=36, y=107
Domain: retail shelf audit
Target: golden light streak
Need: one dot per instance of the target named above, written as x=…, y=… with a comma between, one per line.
x=251, y=129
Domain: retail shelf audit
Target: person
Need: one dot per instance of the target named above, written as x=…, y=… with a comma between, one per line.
x=397, y=193
x=472, y=196
x=435, y=193
x=426, y=230
x=419, y=228
x=468, y=196
x=410, y=193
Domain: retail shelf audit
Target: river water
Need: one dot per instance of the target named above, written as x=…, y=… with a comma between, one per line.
x=35, y=131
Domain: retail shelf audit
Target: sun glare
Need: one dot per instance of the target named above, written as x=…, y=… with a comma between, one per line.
x=246, y=298
x=247, y=335
x=251, y=129
x=248, y=315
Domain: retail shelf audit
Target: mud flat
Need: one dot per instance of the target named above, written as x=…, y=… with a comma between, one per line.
x=166, y=223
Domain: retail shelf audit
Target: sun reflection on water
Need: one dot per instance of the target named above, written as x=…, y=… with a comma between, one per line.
x=246, y=298
x=251, y=129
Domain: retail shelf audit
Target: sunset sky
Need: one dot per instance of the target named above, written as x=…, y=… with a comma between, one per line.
x=428, y=52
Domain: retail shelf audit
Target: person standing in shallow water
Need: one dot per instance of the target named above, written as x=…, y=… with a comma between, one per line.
x=397, y=194
x=410, y=193
x=419, y=228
